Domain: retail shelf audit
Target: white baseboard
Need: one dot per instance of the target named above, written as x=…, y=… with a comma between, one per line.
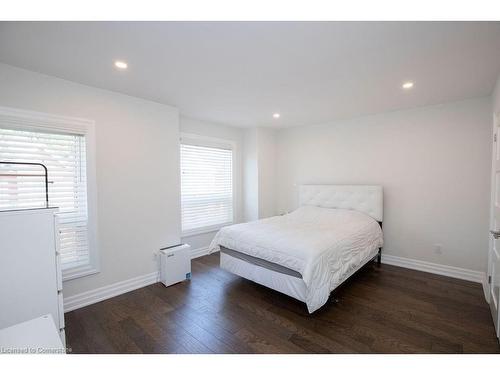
x=199, y=252
x=486, y=288
x=108, y=291
x=439, y=269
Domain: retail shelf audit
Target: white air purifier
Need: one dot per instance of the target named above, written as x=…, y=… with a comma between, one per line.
x=175, y=264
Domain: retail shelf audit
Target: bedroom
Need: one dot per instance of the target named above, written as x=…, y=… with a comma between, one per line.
x=254, y=187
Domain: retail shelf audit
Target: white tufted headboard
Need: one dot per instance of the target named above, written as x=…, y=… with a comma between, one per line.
x=363, y=198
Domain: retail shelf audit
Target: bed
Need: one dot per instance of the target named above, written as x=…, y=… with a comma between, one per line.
x=309, y=252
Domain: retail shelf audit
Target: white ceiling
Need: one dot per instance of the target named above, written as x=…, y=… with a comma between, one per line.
x=240, y=73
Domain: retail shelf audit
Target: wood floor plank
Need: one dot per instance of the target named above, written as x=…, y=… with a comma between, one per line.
x=382, y=309
x=441, y=328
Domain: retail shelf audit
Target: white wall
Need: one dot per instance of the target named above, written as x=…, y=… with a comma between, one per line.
x=433, y=162
x=250, y=175
x=230, y=133
x=496, y=97
x=259, y=173
x=137, y=169
x=266, y=155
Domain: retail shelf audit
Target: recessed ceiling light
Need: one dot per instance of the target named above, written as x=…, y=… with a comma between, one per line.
x=276, y=115
x=121, y=64
x=407, y=85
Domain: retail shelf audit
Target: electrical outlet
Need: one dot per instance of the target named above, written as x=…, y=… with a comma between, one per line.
x=438, y=248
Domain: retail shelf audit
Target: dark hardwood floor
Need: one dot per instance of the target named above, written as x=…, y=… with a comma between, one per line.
x=382, y=309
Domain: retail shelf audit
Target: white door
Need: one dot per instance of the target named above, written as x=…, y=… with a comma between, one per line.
x=494, y=256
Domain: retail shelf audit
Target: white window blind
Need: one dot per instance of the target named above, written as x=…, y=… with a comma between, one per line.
x=206, y=186
x=64, y=156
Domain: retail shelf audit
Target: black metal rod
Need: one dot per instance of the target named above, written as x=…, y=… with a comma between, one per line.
x=46, y=175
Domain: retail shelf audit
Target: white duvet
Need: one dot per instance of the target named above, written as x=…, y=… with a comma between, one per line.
x=324, y=245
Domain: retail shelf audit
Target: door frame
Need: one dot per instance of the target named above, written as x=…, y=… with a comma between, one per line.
x=495, y=137
x=486, y=284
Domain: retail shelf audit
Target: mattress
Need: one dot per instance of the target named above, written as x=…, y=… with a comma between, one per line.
x=323, y=245
x=260, y=262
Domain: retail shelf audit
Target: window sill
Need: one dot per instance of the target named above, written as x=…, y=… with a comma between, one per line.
x=194, y=232
x=79, y=271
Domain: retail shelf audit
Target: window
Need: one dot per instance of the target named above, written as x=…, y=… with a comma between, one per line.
x=65, y=154
x=206, y=185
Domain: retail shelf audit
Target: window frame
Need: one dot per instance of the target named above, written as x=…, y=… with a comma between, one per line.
x=21, y=119
x=205, y=141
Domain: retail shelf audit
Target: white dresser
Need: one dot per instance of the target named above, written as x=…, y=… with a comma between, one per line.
x=30, y=271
